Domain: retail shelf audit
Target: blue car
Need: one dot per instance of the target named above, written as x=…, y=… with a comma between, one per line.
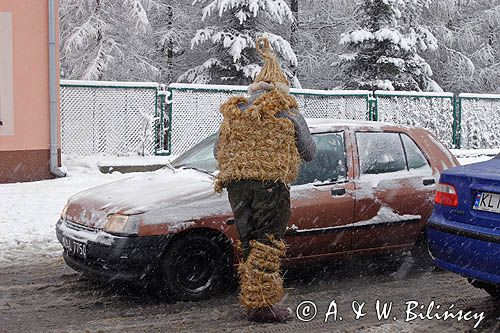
x=464, y=229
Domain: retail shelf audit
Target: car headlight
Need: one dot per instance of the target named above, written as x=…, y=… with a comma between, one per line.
x=121, y=224
x=63, y=213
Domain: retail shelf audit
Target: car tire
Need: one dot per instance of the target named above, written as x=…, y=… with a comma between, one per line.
x=421, y=255
x=194, y=268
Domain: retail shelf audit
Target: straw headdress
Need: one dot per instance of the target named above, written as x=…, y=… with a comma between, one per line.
x=271, y=71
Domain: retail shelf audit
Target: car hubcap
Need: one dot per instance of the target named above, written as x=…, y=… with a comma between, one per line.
x=196, y=270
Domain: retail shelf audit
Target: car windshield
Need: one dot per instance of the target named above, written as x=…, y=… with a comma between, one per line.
x=329, y=164
x=199, y=157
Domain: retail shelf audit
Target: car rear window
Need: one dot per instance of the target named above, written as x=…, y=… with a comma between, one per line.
x=380, y=152
x=415, y=157
x=329, y=165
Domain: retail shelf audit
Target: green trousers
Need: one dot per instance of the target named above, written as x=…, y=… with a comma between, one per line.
x=261, y=209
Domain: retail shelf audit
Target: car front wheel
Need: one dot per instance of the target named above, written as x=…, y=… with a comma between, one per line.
x=194, y=268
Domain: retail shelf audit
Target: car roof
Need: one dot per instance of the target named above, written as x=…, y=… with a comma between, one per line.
x=322, y=124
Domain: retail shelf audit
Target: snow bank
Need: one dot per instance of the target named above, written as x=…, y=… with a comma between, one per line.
x=468, y=156
x=29, y=212
x=464, y=153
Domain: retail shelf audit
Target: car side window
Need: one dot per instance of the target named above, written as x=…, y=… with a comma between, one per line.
x=330, y=162
x=414, y=155
x=380, y=152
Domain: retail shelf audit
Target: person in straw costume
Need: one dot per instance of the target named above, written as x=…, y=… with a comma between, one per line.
x=261, y=143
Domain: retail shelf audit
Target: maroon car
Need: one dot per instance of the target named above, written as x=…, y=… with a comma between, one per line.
x=369, y=191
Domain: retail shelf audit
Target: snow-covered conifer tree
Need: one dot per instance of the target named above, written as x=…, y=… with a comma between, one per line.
x=233, y=27
x=115, y=40
x=382, y=53
x=468, y=59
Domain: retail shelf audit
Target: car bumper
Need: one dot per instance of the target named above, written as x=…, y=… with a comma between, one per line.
x=469, y=250
x=110, y=257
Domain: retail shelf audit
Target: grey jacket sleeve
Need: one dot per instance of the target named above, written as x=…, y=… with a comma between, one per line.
x=303, y=137
x=216, y=144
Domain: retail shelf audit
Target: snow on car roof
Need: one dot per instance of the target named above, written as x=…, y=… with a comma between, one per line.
x=317, y=124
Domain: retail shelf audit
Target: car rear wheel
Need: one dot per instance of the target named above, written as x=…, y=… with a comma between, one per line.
x=194, y=268
x=420, y=254
x=494, y=291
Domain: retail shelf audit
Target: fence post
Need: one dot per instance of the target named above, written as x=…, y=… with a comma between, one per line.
x=369, y=107
x=158, y=123
x=457, y=121
x=160, y=130
x=373, y=107
x=170, y=101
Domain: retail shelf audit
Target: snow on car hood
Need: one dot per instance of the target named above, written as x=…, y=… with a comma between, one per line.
x=163, y=195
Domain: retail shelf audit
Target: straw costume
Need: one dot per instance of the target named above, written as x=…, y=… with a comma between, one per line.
x=261, y=143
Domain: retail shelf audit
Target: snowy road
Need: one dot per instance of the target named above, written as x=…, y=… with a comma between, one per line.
x=38, y=293
x=49, y=297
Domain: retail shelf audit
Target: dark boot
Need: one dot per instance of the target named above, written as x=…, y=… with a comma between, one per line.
x=273, y=314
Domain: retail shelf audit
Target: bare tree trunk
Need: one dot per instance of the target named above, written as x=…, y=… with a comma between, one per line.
x=170, y=44
x=99, y=35
x=294, y=30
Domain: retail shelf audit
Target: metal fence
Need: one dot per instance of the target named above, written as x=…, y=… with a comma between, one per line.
x=115, y=118
x=119, y=118
x=195, y=109
x=433, y=111
x=478, y=121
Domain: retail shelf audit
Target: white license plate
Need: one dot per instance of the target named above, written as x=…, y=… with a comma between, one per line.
x=486, y=201
x=74, y=247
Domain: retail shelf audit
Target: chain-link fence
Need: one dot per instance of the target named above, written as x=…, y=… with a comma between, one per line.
x=432, y=111
x=195, y=109
x=479, y=121
x=115, y=118
x=119, y=118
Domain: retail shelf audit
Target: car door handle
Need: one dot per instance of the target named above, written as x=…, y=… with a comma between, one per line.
x=428, y=182
x=338, y=192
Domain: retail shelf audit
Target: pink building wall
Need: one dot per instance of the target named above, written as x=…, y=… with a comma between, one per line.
x=24, y=150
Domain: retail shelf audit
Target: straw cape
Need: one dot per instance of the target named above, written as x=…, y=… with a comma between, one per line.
x=255, y=144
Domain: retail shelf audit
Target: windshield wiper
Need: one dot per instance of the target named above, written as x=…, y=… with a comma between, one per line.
x=197, y=169
x=170, y=166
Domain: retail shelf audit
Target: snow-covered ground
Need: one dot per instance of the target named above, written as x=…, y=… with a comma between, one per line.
x=29, y=211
